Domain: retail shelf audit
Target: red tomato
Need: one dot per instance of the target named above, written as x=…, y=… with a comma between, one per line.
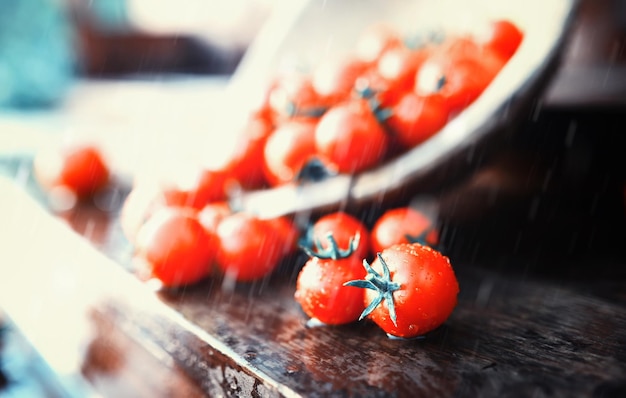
x=399, y=65
x=350, y=137
x=295, y=97
x=375, y=40
x=246, y=164
x=250, y=248
x=320, y=289
x=418, y=287
x=197, y=188
x=401, y=225
x=459, y=71
x=80, y=168
x=344, y=228
x=177, y=249
x=503, y=37
x=335, y=78
x=415, y=118
x=289, y=147
x=287, y=232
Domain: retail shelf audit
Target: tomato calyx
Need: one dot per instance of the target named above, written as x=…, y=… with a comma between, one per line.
x=313, y=171
x=379, y=283
x=421, y=238
x=332, y=251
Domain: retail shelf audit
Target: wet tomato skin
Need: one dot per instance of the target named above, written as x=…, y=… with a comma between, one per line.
x=321, y=294
x=427, y=294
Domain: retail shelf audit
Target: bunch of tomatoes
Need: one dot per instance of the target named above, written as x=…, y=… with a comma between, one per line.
x=345, y=116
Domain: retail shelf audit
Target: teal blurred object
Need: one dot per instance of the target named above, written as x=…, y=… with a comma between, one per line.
x=37, y=57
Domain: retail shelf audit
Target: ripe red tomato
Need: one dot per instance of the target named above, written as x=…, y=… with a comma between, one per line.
x=418, y=286
x=289, y=147
x=503, y=37
x=197, y=188
x=334, y=78
x=294, y=96
x=350, y=137
x=344, y=228
x=250, y=248
x=81, y=168
x=402, y=225
x=399, y=65
x=459, y=71
x=375, y=40
x=320, y=289
x=415, y=118
x=287, y=233
x=147, y=196
x=246, y=163
x=177, y=249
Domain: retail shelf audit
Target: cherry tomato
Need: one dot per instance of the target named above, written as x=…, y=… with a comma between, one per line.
x=399, y=65
x=344, y=228
x=250, y=248
x=418, y=287
x=177, y=249
x=320, y=289
x=287, y=233
x=80, y=168
x=402, y=225
x=334, y=78
x=197, y=188
x=459, y=71
x=503, y=37
x=375, y=40
x=295, y=97
x=246, y=164
x=193, y=190
x=415, y=118
x=289, y=147
x=350, y=137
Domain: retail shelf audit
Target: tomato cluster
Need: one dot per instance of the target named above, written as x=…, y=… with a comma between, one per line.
x=389, y=95
x=344, y=116
x=337, y=285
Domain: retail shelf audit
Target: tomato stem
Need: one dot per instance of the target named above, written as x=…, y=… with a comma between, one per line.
x=420, y=238
x=381, y=284
x=332, y=251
